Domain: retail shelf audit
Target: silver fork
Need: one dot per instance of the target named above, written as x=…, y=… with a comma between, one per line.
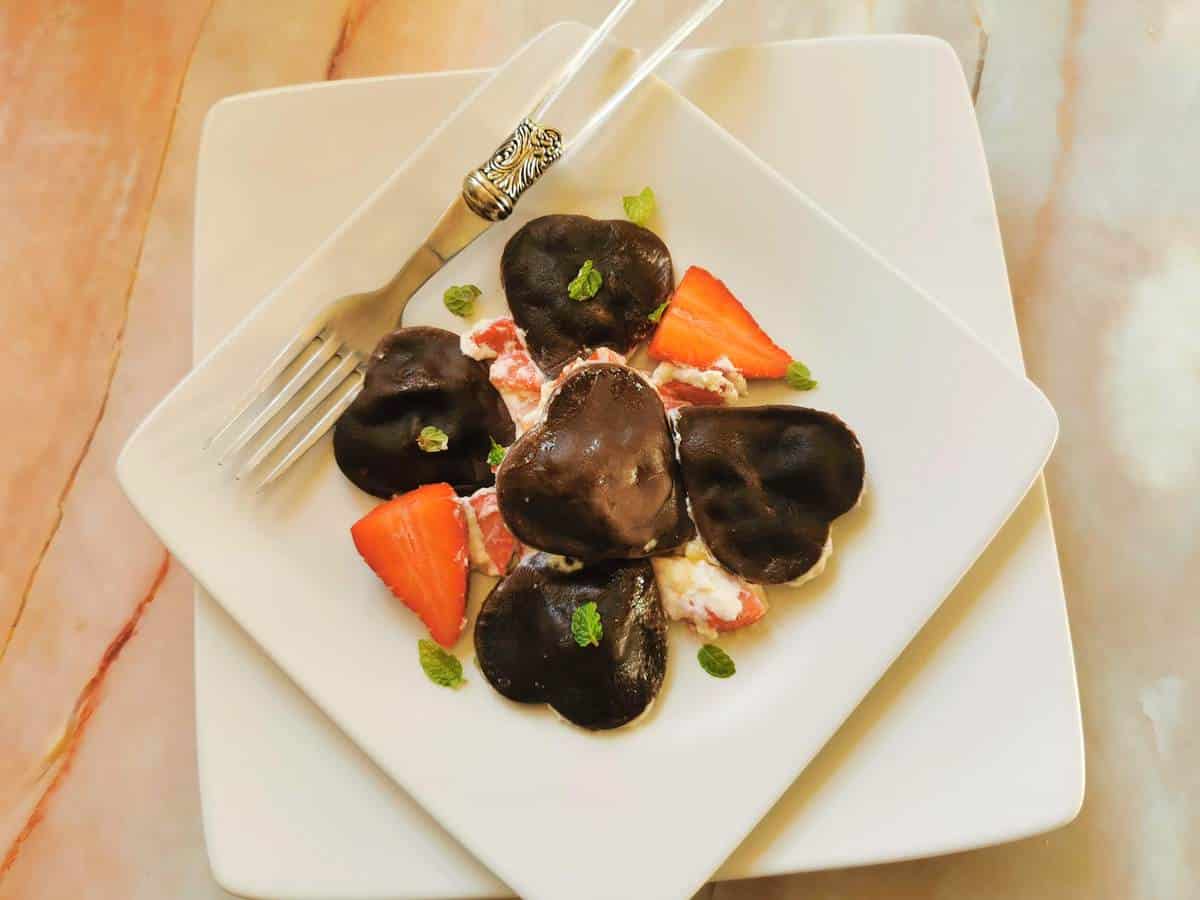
x=328, y=357
x=325, y=363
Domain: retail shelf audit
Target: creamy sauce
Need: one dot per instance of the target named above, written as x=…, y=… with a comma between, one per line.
x=692, y=588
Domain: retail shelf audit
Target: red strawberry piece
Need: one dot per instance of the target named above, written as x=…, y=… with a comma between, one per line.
x=417, y=545
x=754, y=607
x=498, y=542
x=705, y=322
x=513, y=372
x=678, y=393
x=498, y=335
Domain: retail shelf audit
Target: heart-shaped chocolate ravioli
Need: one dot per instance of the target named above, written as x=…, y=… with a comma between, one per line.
x=417, y=378
x=528, y=652
x=597, y=479
x=546, y=254
x=765, y=482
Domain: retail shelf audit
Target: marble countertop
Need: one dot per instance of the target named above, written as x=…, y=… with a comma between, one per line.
x=1090, y=113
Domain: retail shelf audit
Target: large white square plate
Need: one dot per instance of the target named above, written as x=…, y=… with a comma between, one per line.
x=972, y=737
x=954, y=438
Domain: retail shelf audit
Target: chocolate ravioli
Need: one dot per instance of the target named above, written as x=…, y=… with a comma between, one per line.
x=419, y=377
x=526, y=649
x=765, y=482
x=598, y=478
x=542, y=258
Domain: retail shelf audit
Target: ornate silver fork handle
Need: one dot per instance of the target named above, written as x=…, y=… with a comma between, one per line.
x=313, y=379
x=492, y=190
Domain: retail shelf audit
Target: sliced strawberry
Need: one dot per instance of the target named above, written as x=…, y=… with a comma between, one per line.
x=497, y=543
x=754, y=607
x=417, y=544
x=705, y=322
x=497, y=335
x=677, y=393
x=512, y=372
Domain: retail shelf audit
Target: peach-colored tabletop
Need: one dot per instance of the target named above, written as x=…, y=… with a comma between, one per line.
x=1090, y=112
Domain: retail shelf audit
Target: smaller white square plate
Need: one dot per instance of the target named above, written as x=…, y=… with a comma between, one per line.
x=953, y=437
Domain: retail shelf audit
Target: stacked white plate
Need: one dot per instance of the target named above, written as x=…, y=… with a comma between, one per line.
x=974, y=735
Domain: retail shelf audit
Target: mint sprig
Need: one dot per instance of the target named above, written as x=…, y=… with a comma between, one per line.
x=460, y=299
x=586, y=284
x=440, y=667
x=657, y=314
x=715, y=661
x=585, y=625
x=432, y=439
x=799, y=377
x=496, y=454
x=640, y=207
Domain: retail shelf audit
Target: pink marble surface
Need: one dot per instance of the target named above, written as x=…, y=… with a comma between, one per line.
x=1091, y=117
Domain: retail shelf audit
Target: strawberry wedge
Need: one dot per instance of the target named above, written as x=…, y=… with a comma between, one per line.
x=417, y=545
x=704, y=323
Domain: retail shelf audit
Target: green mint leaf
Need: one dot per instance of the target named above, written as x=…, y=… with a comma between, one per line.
x=460, y=299
x=586, y=284
x=432, y=439
x=799, y=377
x=715, y=661
x=658, y=311
x=496, y=454
x=641, y=207
x=440, y=667
x=585, y=625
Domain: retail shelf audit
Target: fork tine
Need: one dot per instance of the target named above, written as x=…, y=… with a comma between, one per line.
x=310, y=400
x=301, y=446
x=274, y=369
x=312, y=358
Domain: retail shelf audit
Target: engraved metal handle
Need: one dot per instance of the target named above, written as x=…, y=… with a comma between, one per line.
x=492, y=190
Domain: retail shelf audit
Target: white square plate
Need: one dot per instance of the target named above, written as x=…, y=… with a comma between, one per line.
x=974, y=734
x=953, y=437
x=972, y=737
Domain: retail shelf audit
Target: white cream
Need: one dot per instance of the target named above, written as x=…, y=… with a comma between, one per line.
x=477, y=553
x=564, y=564
x=692, y=589
x=696, y=549
x=468, y=346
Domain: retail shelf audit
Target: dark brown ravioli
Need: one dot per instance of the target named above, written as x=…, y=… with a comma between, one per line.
x=526, y=649
x=597, y=479
x=542, y=258
x=418, y=377
x=765, y=482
